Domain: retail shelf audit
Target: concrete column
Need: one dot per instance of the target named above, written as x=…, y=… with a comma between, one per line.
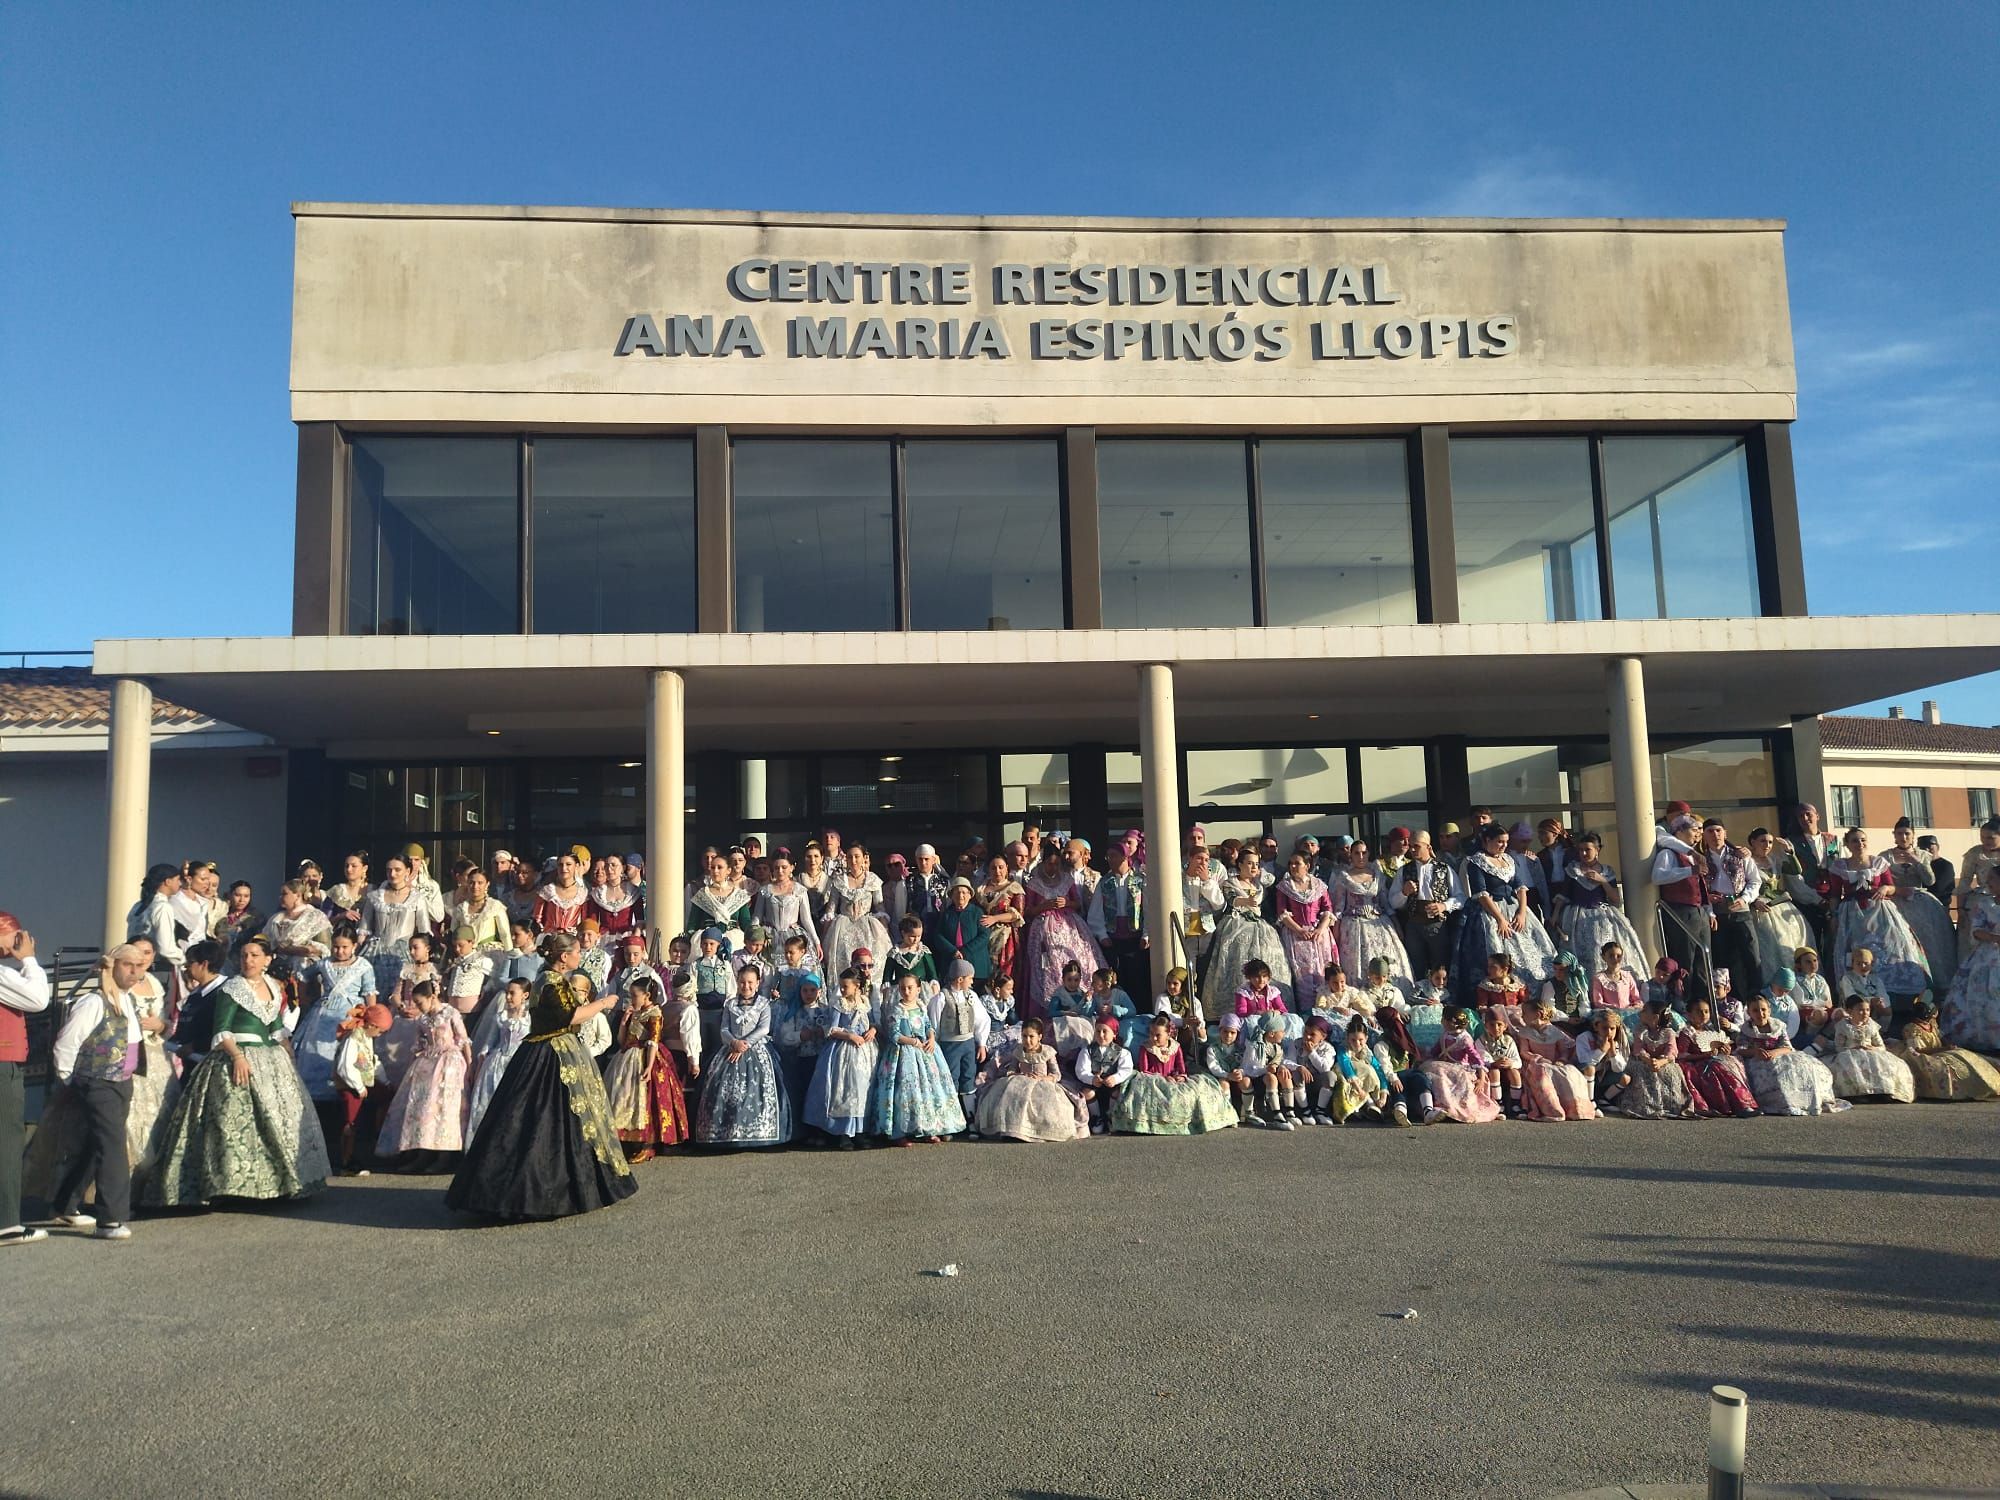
x=751, y=791
x=1160, y=796
x=666, y=803
x=1632, y=786
x=128, y=801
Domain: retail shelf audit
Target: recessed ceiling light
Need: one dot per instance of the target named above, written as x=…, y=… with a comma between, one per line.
x=1312, y=716
x=491, y=732
x=888, y=776
x=891, y=757
x=628, y=765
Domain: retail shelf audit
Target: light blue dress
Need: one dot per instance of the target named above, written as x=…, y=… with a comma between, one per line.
x=912, y=1095
x=341, y=987
x=837, y=1098
x=743, y=1100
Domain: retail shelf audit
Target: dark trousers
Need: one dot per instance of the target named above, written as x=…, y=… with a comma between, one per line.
x=98, y=1153
x=1429, y=945
x=1734, y=947
x=1416, y=1093
x=1134, y=966
x=1684, y=936
x=13, y=1111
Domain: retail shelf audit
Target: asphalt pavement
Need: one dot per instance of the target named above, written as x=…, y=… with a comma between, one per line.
x=1132, y=1317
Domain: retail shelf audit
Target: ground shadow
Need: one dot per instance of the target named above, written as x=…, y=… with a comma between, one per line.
x=1813, y=1174
x=1945, y=1379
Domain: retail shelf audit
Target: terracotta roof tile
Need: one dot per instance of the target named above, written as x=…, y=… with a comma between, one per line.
x=68, y=698
x=1852, y=732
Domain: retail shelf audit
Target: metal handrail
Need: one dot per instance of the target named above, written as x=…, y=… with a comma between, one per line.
x=22, y=658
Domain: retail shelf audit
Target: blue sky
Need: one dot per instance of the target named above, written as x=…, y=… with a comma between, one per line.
x=151, y=152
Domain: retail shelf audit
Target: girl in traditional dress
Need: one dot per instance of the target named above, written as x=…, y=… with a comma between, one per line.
x=1658, y=1090
x=616, y=906
x=1980, y=860
x=798, y=1030
x=1305, y=920
x=153, y=1086
x=854, y=912
x=1923, y=912
x=1027, y=1101
x=1592, y=914
x=426, y=1119
x=354, y=1076
x=1862, y=982
x=484, y=913
x=522, y=894
x=743, y=1102
x=785, y=907
x=1774, y=911
x=1603, y=1056
x=343, y=901
x=1615, y=986
x=546, y=1147
x=1941, y=1071
x=812, y=874
x=1567, y=991
x=1785, y=1082
x=1814, y=996
x=1865, y=917
x=642, y=1085
x=837, y=1098
x=1863, y=1066
x=1366, y=931
x=1501, y=986
x=152, y=917
x=243, y=1127
x=1972, y=1008
x=1378, y=992
x=300, y=931
x=912, y=1097
x=559, y=905
x=1497, y=919
x=501, y=1031
x=1715, y=1079
x=342, y=980
x=1551, y=1086
x=1056, y=934
x=1160, y=1098
x=1241, y=936
x=1462, y=1076
x=1370, y=1091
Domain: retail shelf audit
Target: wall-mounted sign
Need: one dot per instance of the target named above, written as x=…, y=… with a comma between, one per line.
x=1141, y=320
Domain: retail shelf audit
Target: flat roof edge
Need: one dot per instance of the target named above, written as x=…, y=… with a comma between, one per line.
x=785, y=218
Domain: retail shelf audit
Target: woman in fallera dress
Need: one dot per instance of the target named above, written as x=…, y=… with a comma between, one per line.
x=1942, y=1071
x=1925, y=914
x=393, y=913
x=1004, y=904
x=1865, y=916
x=1592, y=915
x=721, y=903
x=854, y=911
x=560, y=904
x=784, y=906
x=1240, y=936
x=1971, y=1011
x=616, y=906
x=1497, y=920
x=243, y=1126
x=547, y=1147
x=1306, y=919
x=1774, y=912
x=1055, y=903
x=1366, y=931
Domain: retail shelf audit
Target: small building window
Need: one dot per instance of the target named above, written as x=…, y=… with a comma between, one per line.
x=1846, y=811
x=1981, y=798
x=1917, y=805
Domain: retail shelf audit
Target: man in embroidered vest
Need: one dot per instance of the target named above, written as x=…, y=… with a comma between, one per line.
x=24, y=991
x=1677, y=869
x=96, y=1054
x=1117, y=920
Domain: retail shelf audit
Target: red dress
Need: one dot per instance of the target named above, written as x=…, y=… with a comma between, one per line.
x=615, y=921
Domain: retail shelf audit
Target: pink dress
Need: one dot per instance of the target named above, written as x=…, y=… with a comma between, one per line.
x=1309, y=956
x=1055, y=936
x=1552, y=1089
x=1459, y=1083
x=1719, y=1084
x=428, y=1112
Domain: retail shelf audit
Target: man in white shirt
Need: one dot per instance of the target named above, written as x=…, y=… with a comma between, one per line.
x=24, y=991
x=1426, y=896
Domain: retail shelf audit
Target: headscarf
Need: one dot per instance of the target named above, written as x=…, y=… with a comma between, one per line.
x=1576, y=989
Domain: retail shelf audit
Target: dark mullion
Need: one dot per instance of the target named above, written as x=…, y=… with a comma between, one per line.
x=899, y=526
x=1601, y=523
x=1253, y=469
x=525, y=489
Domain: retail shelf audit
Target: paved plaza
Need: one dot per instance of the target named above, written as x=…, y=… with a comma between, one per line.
x=1133, y=1318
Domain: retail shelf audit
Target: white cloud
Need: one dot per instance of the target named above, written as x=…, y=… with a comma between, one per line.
x=1530, y=185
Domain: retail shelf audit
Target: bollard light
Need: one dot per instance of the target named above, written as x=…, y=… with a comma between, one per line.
x=1728, y=1421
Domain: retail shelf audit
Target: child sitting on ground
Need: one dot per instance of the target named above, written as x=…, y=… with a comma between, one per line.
x=1101, y=1068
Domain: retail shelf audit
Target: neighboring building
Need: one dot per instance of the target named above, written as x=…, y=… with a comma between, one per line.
x=218, y=793
x=1945, y=778
x=610, y=519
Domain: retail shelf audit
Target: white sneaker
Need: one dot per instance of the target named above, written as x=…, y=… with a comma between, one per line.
x=1284, y=1122
x=76, y=1221
x=19, y=1235
x=112, y=1232
x=364, y=1172
x=1097, y=1130
x=1433, y=1115
x=1322, y=1118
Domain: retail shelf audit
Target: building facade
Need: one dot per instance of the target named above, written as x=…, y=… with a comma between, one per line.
x=1945, y=778
x=650, y=527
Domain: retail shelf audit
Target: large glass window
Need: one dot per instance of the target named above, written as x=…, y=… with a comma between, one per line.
x=815, y=546
x=1266, y=777
x=434, y=536
x=1174, y=533
x=613, y=534
x=984, y=525
x=1681, y=543
x=1337, y=532
x=1525, y=529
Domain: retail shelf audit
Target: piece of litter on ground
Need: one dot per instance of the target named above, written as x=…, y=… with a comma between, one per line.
x=950, y=1270
x=1402, y=1313
x=1164, y=1395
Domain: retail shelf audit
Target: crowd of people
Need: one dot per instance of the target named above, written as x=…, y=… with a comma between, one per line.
x=541, y=1027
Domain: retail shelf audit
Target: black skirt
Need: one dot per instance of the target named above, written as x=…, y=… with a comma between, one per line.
x=546, y=1148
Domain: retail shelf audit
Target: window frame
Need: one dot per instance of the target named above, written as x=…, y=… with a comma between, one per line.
x=1916, y=802
x=1847, y=798
x=1982, y=802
